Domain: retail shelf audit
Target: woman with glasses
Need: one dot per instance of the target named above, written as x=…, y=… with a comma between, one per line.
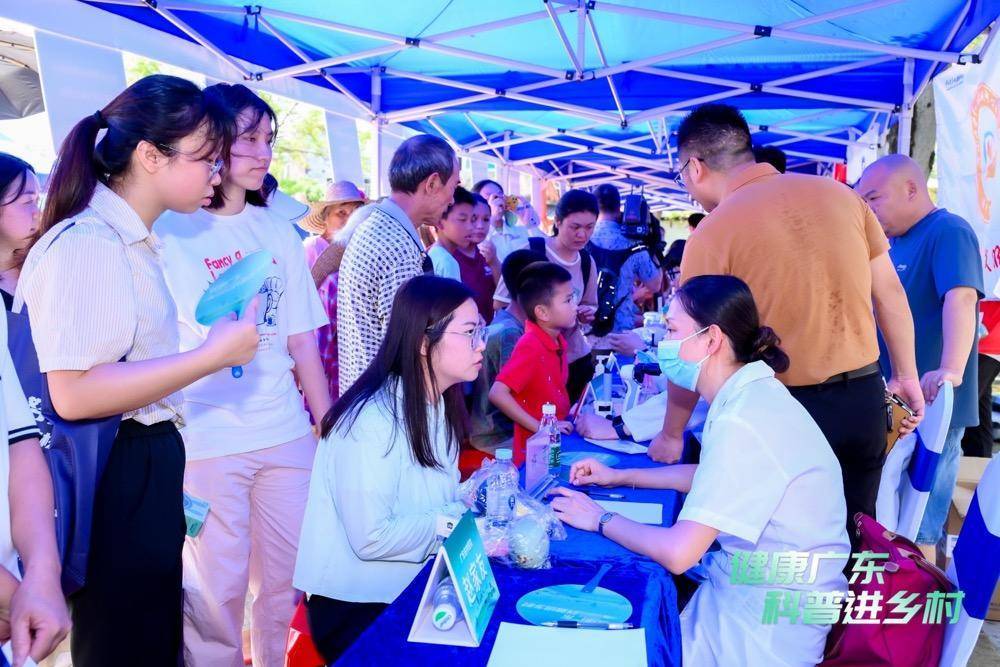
x=387, y=465
x=249, y=441
x=106, y=336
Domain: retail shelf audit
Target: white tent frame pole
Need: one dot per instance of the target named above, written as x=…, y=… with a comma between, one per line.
x=486, y=93
x=947, y=44
x=496, y=25
x=447, y=137
x=795, y=140
x=479, y=142
x=781, y=32
x=305, y=58
x=551, y=156
x=574, y=59
x=815, y=156
x=567, y=177
x=482, y=134
x=604, y=62
x=546, y=128
x=668, y=183
x=805, y=136
x=737, y=39
x=905, y=115
x=802, y=119
x=318, y=65
x=198, y=37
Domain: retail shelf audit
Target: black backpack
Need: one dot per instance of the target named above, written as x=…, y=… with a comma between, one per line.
x=610, y=263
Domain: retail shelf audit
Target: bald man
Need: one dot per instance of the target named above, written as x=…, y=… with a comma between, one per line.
x=936, y=256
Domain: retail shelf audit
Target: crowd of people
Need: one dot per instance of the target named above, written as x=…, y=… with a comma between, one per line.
x=407, y=339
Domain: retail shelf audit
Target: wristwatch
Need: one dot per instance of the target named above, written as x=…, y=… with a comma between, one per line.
x=607, y=516
x=619, y=425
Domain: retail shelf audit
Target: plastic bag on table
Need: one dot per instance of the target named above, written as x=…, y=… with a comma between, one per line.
x=472, y=492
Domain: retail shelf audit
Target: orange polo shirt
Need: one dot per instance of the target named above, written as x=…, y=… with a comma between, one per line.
x=804, y=245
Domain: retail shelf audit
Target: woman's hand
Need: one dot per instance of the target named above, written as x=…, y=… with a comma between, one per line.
x=626, y=342
x=565, y=427
x=592, y=472
x=234, y=342
x=576, y=509
x=585, y=314
x=591, y=426
x=498, y=206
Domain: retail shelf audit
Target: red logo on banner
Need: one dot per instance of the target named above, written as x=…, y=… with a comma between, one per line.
x=985, y=113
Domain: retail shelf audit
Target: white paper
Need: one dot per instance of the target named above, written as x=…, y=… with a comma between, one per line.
x=556, y=647
x=651, y=513
x=623, y=446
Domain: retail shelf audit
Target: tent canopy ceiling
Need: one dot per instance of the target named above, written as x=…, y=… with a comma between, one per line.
x=560, y=84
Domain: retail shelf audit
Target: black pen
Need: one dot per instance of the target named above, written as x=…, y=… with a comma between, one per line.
x=604, y=494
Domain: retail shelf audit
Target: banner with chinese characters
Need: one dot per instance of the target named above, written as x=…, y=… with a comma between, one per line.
x=463, y=558
x=967, y=108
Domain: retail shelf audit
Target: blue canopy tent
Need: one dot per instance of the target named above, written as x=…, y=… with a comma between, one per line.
x=591, y=92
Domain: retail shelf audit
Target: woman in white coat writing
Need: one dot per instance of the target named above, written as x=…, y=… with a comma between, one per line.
x=768, y=487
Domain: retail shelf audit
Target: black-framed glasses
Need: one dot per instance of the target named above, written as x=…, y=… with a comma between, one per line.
x=215, y=165
x=679, y=177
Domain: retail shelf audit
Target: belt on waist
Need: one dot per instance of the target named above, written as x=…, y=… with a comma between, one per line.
x=862, y=372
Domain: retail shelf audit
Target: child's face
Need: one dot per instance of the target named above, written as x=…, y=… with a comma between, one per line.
x=456, y=226
x=480, y=223
x=560, y=311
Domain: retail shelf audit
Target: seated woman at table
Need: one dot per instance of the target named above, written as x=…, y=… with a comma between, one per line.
x=387, y=465
x=767, y=483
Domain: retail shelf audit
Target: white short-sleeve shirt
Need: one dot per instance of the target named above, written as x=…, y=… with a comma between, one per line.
x=769, y=482
x=227, y=415
x=94, y=289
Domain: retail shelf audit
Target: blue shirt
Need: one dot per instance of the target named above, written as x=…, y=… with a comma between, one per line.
x=936, y=255
x=608, y=235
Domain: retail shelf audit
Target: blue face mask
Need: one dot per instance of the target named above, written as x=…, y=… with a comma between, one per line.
x=682, y=373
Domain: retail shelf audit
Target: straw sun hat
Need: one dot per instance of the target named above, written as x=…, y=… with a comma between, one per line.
x=341, y=192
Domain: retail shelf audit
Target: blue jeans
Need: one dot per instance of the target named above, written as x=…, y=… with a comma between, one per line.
x=932, y=526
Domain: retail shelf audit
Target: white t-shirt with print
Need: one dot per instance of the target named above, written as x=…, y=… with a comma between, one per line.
x=226, y=415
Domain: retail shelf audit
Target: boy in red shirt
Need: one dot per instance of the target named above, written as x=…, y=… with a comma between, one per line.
x=537, y=370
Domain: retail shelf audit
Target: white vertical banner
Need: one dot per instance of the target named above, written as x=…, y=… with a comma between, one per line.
x=345, y=151
x=77, y=80
x=967, y=109
x=480, y=170
x=859, y=157
x=389, y=144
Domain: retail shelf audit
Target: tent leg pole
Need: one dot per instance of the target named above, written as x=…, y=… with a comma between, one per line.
x=906, y=113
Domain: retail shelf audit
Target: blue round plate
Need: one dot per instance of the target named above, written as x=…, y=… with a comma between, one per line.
x=569, y=458
x=566, y=602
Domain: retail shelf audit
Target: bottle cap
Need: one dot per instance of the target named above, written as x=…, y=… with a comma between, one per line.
x=505, y=454
x=549, y=410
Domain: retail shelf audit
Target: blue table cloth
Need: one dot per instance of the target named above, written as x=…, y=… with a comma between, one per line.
x=646, y=584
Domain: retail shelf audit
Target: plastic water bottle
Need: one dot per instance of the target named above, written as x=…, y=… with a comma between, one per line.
x=500, y=489
x=550, y=427
x=538, y=451
x=447, y=610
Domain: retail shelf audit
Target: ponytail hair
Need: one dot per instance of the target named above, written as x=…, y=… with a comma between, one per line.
x=726, y=301
x=229, y=101
x=159, y=109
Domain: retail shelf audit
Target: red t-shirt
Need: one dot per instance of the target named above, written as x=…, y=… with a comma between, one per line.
x=478, y=276
x=990, y=343
x=536, y=373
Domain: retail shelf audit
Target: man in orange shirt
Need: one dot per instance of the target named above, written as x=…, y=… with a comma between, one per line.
x=817, y=263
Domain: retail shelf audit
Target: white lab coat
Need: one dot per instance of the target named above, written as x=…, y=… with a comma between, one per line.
x=769, y=482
